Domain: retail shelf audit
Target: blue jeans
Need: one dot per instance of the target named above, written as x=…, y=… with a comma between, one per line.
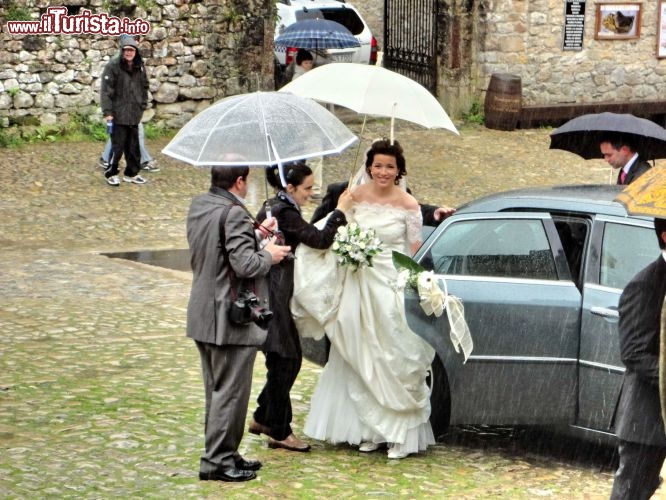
x=145, y=155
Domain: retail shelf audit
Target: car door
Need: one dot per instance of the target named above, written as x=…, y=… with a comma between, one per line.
x=523, y=312
x=619, y=248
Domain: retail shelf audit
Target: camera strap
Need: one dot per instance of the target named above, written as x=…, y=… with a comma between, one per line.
x=233, y=279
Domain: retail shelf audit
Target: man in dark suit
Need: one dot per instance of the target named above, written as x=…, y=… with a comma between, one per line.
x=639, y=425
x=620, y=153
x=432, y=215
x=224, y=253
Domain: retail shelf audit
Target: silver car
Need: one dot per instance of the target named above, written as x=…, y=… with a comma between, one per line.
x=540, y=272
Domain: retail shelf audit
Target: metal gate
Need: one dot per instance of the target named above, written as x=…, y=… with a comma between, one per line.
x=410, y=39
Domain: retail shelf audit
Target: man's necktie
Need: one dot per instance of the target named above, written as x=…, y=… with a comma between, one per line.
x=623, y=176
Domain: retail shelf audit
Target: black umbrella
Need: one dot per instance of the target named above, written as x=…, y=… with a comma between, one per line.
x=583, y=134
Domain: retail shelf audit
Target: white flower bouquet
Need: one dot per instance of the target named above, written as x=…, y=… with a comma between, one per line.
x=354, y=246
x=433, y=299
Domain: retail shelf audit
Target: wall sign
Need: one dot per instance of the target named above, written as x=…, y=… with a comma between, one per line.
x=574, y=25
x=618, y=21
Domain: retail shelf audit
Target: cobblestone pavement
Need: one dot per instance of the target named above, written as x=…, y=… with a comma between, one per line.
x=100, y=392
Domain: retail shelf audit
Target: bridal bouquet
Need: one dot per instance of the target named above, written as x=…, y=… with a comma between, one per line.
x=433, y=299
x=355, y=247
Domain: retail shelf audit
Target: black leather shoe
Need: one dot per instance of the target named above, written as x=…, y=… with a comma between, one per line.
x=245, y=464
x=232, y=475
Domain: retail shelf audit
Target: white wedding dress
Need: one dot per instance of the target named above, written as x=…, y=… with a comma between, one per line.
x=373, y=388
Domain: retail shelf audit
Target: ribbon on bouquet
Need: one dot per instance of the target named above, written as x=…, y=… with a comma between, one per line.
x=434, y=300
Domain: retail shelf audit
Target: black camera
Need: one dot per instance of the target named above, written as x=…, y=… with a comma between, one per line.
x=246, y=310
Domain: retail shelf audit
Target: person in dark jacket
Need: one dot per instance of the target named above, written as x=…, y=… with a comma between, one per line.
x=124, y=97
x=639, y=426
x=282, y=348
x=620, y=153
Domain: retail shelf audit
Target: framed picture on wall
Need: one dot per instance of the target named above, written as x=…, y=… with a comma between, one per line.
x=661, y=30
x=618, y=21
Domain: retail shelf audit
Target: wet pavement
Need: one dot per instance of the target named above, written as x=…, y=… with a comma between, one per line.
x=100, y=392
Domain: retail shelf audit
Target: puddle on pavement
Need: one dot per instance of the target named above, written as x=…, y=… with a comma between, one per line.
x=178, y=259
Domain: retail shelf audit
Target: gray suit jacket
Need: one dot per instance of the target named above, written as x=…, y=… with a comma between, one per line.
x=638, y=416
x=210, y=297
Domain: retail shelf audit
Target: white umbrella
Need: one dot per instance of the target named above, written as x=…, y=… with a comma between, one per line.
x=261, y=128
x=372, y=90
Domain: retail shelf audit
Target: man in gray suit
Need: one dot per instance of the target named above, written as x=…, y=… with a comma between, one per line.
x=639, y=426
x=225, y=255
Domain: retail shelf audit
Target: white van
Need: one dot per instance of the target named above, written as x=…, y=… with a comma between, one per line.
x=291, y=11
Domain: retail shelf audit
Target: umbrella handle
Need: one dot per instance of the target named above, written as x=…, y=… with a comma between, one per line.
x=395, y=105
x=277, y=160
x=358, y=149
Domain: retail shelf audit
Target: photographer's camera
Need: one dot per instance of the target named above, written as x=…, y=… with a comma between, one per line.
x=246, y=309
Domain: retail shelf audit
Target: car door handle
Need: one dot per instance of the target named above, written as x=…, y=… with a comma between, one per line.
x=605, y=312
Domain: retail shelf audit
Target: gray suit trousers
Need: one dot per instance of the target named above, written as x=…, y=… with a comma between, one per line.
x=227, y=375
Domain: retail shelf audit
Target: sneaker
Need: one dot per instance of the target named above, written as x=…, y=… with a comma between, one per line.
x=103, y=164
x=367, y=447
x=113, y=180
x=150, y=166
x=137, y=179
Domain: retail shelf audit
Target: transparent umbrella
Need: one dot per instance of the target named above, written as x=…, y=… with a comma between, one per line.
x=261, y=128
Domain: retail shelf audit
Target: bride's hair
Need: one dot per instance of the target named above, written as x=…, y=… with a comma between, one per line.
x=384, y=147
x=294, y=173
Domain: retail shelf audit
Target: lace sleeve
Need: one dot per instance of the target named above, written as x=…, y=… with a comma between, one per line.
x=414, y=222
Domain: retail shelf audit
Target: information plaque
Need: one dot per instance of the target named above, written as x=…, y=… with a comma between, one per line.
x=574, y=25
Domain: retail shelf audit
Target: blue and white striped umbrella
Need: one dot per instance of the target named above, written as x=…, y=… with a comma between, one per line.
x=317, y=34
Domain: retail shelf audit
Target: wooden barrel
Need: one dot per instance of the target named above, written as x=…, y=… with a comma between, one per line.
x=503, y=101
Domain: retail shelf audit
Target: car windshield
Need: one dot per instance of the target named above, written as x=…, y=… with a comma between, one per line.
x=347, y=17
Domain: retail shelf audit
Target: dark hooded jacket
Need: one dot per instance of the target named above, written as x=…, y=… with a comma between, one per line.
x=124, y=91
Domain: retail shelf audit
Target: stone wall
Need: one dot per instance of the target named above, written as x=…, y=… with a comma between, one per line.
x=201, y=50
x=196, y=52
x=524, y=37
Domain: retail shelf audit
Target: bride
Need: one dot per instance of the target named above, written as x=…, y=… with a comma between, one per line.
x=373, y=389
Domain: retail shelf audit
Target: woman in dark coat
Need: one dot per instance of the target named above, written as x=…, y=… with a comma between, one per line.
x=283, y=347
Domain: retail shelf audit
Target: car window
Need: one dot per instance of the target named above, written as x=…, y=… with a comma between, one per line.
x=507, y=248
x=625, y=250
x=573, y=235
x=347, y=17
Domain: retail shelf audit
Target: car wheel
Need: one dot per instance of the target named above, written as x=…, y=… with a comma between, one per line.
x=440, y=399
